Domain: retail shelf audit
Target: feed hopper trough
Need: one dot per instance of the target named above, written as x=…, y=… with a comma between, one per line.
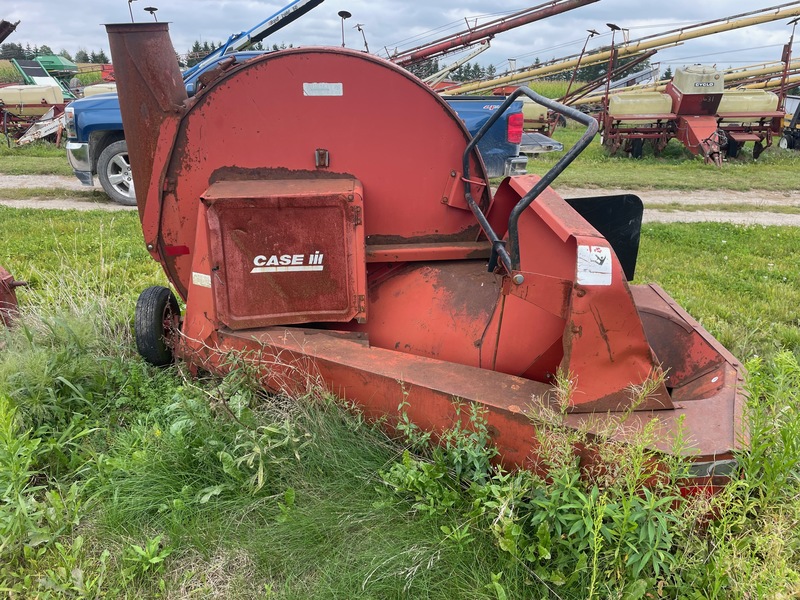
x=312, y=234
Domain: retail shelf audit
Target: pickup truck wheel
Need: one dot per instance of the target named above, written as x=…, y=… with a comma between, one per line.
x=114, y=172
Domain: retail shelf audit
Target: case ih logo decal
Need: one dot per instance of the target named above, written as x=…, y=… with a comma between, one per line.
x=282, y=263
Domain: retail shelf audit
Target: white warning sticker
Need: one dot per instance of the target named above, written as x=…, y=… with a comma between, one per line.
x=594, y=265
x=323, y=89
x=201, y=279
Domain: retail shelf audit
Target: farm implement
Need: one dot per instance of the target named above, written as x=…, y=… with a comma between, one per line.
x=35, y=110
x=695, y=109
x=312, y=235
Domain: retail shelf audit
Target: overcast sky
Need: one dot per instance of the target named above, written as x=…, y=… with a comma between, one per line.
x=402, y=24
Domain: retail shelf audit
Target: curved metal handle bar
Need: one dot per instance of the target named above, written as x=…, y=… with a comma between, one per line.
x=510, y=256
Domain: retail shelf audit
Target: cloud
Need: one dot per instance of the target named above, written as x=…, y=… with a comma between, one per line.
x=395, y=23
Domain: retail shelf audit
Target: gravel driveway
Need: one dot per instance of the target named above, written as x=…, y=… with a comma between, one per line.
x=655, y=201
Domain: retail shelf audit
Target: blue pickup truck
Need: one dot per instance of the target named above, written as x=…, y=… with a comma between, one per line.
x=96, y=141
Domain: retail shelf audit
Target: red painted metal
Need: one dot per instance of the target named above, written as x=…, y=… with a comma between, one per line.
x=9, y=308
x=700, y=135
x=696, y=121
x=306, y=254
x=303, y=198
x=486, y=32
x=153, y=91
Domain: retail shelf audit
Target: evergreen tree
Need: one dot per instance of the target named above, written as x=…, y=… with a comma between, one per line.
x=460, y=74
x=195, y=54
x=65, y=54
x=11, y=50
x=102, y=58
x=424, y=69
x=43, y=50
x=81, y=56
x=667, y=74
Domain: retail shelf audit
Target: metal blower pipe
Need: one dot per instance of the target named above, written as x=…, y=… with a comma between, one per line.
x=151, y=91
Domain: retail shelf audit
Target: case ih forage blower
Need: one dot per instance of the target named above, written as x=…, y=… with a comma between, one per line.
x=305, y=227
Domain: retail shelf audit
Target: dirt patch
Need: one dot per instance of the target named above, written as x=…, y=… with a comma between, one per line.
x=60, y=182
x=41, y=181
x=756, y=198
x=64, y=204
x=760, y=200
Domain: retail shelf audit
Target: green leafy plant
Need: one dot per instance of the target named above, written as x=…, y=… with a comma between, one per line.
x=21, y=514
x=146, y=559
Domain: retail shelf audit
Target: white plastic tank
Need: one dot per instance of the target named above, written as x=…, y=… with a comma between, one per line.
x=99, y=88
x=628, y=104
x=698, y=79
x=30, y=100
x=757, y=102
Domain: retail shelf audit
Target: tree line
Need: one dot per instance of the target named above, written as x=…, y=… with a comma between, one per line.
x=18, y=51
x=199, y=50
x=475, y=71
x=196, y=53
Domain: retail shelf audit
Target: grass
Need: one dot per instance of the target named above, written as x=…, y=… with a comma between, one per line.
x=37, y=244
x=731, y=208
x=676, y=169
x=552, y=89
x=740, y=282
x=118, y=480
x=38, y=158
x=8, y=74
x=142, y=483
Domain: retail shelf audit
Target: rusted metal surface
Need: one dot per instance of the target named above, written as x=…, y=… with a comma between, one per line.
x=17, y=123
x=151, y=92
x=9, y=308
x=299, y=243
x=700, y=135
x=281, y=132
x=6, y=28
x=516, y=408
x=318, y=176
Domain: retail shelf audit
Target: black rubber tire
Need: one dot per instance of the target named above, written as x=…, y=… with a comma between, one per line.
x=786, y=142
x=637, y=148
x=732, y=149
x=156, y=323
x=114, y=173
